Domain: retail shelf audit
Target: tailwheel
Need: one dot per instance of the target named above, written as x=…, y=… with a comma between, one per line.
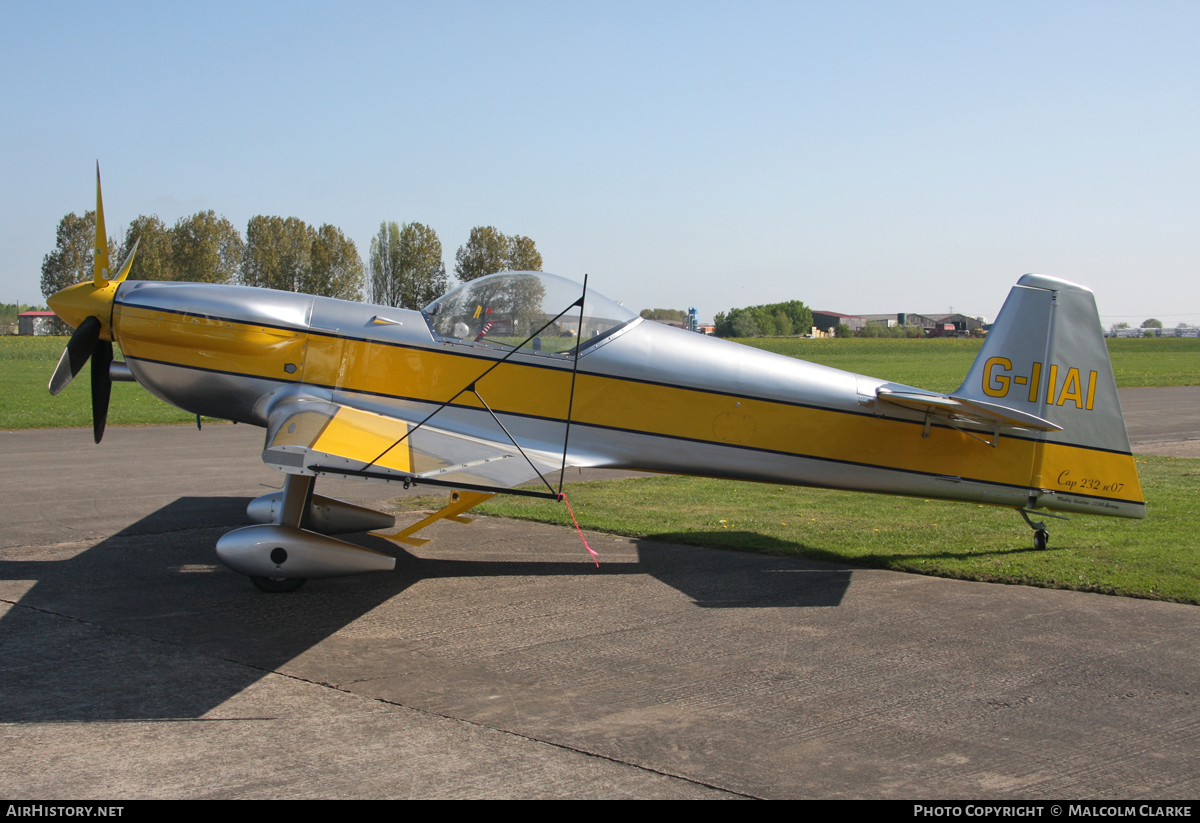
x=1041, y=537
x=278, y=584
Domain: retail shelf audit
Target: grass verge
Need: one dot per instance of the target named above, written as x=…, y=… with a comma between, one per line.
x=1153, y=558
x=941, y=365
x=26, y=364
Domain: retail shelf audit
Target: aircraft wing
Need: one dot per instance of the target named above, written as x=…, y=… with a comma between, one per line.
x=314, y=436
x=967, y=410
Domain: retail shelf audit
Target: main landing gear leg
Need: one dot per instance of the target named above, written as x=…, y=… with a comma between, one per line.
x=297, y=494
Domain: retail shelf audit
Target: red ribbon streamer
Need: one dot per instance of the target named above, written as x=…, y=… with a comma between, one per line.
x=563, y=496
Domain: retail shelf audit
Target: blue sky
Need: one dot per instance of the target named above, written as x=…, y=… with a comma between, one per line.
x=861, y=157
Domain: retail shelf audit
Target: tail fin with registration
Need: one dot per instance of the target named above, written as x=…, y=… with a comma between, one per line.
x=1046, y=357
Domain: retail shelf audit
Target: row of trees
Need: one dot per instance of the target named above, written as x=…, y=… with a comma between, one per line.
x=488, y=251
x=669, y=315
x=770, y=320
x=406, y=265
x=202, y=248
x=73, y=255
x=278, y=253
x=289, y=255
x=285, y=253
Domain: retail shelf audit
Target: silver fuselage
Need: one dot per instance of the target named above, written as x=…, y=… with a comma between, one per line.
x=648, y=397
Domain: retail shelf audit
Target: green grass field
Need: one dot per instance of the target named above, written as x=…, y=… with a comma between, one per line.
x=1152, y=558
x=941, y=365
x=26, y=364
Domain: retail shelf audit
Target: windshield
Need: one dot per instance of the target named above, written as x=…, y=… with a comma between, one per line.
x=506, y=309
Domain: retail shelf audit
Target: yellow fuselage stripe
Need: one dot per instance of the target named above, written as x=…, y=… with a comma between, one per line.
x=432, y=375
x=208, y=343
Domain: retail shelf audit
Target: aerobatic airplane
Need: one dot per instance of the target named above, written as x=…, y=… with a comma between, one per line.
x=512, y=377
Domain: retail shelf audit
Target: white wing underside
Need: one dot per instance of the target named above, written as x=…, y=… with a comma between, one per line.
x=321, y=437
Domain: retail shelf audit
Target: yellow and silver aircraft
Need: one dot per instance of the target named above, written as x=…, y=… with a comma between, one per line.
x=512, y=377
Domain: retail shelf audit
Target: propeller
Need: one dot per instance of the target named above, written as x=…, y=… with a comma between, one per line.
x=86, y=344
x=101, y=387
x=79, y=349
x=86, y=304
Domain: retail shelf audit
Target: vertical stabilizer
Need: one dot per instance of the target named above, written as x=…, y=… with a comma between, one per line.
x=1046, y=356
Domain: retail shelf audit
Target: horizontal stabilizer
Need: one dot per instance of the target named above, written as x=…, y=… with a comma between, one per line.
x=968, y=410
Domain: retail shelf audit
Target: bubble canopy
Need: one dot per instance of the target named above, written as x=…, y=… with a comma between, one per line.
x=505, y=309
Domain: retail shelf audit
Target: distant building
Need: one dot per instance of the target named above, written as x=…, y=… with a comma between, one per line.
x=826, y=320
x=950, y=325
x=1186, y=331
x=38, y=323
x=902, y=318
x=886, y=320
x=933, y=325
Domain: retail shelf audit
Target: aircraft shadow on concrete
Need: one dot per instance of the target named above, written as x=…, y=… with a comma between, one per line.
x=147, y=624
x=722, y=578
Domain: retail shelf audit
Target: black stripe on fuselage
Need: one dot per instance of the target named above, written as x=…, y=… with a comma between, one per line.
x=566, y=367
x=674, y=437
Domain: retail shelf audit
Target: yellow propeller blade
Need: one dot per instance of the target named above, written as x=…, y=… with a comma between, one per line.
x=100, y=277
x=124, y=270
